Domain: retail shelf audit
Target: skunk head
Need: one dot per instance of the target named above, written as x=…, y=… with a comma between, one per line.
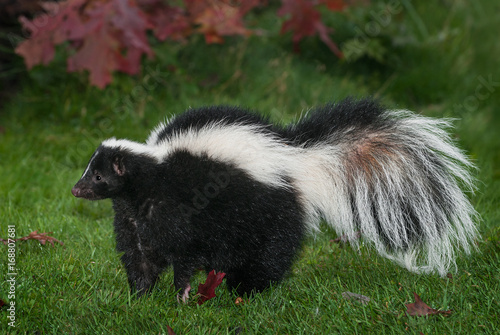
x=104, y=176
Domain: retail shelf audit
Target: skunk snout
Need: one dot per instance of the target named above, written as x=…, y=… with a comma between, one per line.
x=82, y=190
x=76, y=191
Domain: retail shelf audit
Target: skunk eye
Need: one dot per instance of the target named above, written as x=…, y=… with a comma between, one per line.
x=98, y=177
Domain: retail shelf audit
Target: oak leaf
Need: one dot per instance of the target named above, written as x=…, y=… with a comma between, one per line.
x=115, y=39
x=170, y=331
x=59, y=23
x=106, y=36
x=169, y=22
x=41, y=237
x=335, y=5
x=215, y=20
x=305, y=20
x=206, y=291
x=420, y=308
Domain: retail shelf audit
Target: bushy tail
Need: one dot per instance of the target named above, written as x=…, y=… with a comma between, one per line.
x=395, y=176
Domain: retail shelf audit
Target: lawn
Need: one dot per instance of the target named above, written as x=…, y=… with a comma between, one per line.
x=438, y=59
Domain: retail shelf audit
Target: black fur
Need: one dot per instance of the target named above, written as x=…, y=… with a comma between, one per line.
x=192, y=213
x=335, y=118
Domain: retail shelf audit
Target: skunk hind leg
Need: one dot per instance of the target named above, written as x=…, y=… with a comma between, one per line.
x=259, y=274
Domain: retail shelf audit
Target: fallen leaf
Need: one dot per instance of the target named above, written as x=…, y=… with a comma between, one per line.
x=206, y=291
x=239, y=301
x=420, y=308
x=356, y=297
x=2, y=303
x=170, y=331
x=41, y=237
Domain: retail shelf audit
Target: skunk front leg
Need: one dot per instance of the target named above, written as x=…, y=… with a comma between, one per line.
x=182, y=275
x=142, y=274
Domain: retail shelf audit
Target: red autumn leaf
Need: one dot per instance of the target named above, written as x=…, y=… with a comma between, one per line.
x=41, y=237
x=49, y=29
x=335, y=5
x=206, y=291
x=168, y=22
x=131, y=21
x=37, y=50
x=96, y=56
x=2, y=303
x=67, y=23
x=420, y=308
x=217, y=19
x=115, y=39
x=305, y=21
x=107, y=35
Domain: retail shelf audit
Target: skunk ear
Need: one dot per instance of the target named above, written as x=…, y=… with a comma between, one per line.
x=118, y=165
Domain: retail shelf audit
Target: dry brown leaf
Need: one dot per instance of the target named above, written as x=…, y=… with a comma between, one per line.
x=420, y=308
x=41, y=237
x=170, y=330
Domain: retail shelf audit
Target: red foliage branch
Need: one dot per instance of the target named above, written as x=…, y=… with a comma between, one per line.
x=104, y=36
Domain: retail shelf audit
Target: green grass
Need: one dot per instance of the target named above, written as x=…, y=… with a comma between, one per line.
x=55, y=121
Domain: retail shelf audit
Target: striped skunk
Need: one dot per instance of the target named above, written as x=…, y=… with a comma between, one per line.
x=222, y=188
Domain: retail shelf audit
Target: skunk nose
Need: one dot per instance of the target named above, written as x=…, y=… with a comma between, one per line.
x=76, y=191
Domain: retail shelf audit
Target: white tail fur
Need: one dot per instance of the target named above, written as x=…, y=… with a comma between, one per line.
x=399, y=187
